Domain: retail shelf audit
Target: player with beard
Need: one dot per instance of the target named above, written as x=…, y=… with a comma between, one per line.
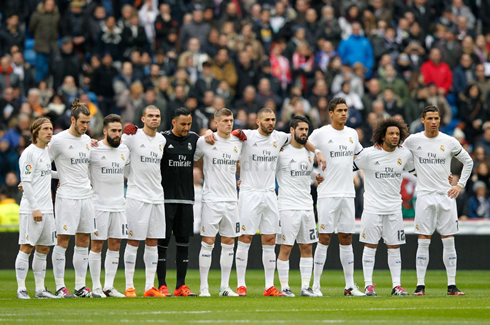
x=36, y=220
x=257, y=203
x=144, y=198
x=382, y=214
x=294, y=175
x=107, y=164
x=74, y=208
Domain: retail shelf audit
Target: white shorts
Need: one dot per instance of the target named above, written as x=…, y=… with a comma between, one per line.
x=436, y=212
x=110, y=225
x=336, y=213
x=297, y=225
x=388, y=226
x=220, y=217
x=145, y=220
x=74, y=216
x=37, y=233
x=258, y=210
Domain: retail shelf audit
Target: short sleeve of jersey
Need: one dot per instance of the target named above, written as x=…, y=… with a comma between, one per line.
x=53, y=149
x=247, y=132
x=199, y=149
x=27, y=167
x=127, y=140
x=285, y=138
x=362, y=160
x=313, y=137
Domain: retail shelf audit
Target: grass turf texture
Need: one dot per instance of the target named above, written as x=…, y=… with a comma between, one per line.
x=434, y=308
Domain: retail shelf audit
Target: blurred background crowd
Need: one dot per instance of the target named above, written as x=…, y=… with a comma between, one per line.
x=385, y=57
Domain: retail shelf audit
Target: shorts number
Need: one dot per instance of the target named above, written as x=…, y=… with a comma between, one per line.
x=457, y=225
x=401, y=235
x=124, y=229
x=237, y=227
x=312, y=234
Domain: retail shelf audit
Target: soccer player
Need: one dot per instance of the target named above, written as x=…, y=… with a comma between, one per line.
x=435, y=208
x=257, y=203
x=336, y=194
x=74, y=209
x=107, y=164
x=144, y=198
x=177, y=181
x=382, y=214
x=220, y=200
x=37, y=226
x=294, y=173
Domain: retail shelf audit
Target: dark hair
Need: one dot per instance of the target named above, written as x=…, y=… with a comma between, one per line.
x=77, y=108
x=334, y=102
x=181, y=111
x=36, y=126
x=222, y=112
x=379, y=131
x=296, y=120
x=264, y=111
x=111, y=118
x=430, y=108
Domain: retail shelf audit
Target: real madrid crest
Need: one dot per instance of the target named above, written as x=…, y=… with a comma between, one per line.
x=122, y=157
x=243, y=228
x=87, y=147
x=130, y=233
x=350, y=140
x=322, y=227
x=309, y=159
x=442, y=148
x=202, y=229
x=65, y=227
x=96, y=233
x=274, y=144
x=160, y=147
x=283, y=237
x=363, y=235
x=235, y=150
x=399, y=162
x=189, y=146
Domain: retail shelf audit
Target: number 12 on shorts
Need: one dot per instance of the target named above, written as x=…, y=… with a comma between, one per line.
x=401, y=235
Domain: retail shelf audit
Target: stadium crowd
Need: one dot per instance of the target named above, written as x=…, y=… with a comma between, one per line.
x=385, y=57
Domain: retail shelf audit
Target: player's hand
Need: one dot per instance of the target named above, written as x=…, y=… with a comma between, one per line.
x=130, y=129
x=450, y=178
x=20, y=187
x=319, y=178
x=37, y=215
x=239, y=134
x=454, y=191
x=94, y=143
x=209, y=137
x=321, y=160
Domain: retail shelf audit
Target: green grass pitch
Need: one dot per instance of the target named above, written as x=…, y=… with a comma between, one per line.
x=434, y=308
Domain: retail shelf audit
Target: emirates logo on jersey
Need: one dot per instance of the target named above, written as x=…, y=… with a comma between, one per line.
x=274, y=144
x=442, y=148
x=65, y=228
x=235, y=149
x=399, y=162
x=122, y=157
x=350, y=140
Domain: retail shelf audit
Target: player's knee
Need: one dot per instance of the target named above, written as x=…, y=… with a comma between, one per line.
x=306, y=250
x=82, y=240
x=97, y=246
x=246, y=239
x=113, y=244
x=268, y=239
x=27, y=249
x=164, y=242
x=182, y=240
x=373, y=246
x=324, y=239
x=42, y=249
x=393, y=246
x=63, y=240
x=345, y=239
x=209, y=240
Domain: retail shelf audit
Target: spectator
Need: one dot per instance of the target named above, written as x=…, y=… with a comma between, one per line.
x=206, y=81
x=134, y=37
x=381, y=11
x=124, y=79
x=56, y=108
x=346, y=74
x=263, y=29
x=26, y=73
x=16, y=138
x=423, y=13
x=74, y=25
x=329, y=27
x=346, y=23
x=435, y=98
x=357, y=49
x=9, y=213
x=351, y=98
x=34, y=102
x=479, y=155
x=324, y=54
x=95, y=23
x=473, y=112
x=485, y=139
x=450, y=48
x=303, y=64
x=392, y=102
x=102, y=85
x=264, y=93
x=7, y=76
x=374, y=90
x=197, y=28
x=10, y=189
x=320, y=90
x=280, y=66
x=125, y=20
x=194, y=51
x=296, y=93
x=177, y=101
x=480, y=49
x=479, y=203
x=129, y=101
x=224, y=69
x=437, y=72
x=396, y=84
x=320, y=113
x=463, y=74
x=11, y=35
x=110, y=39
x=68, y=90
x=65, y=63
x=163, y=23
x=248, y=101
x=8, y=108
x=459, y=9
x=147, y=16
x=44, y=26
x=199, y=120
x=266, y=72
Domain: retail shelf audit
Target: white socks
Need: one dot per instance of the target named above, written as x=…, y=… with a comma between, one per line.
x=111, y=264
x=305, y=268
x=95, y=264
x=21, y=268
x=39, y=269
x=269, y=261
x=59, y=261
x=368, y=258
x=80, y=263
x=241, y=260
x=319, y=263
x=450, y=259
x=129, y=264
x=422, y=260
x=395, y=265
x=226, y=262
x=347, y=260
x=283, y=272
x=205, y=257
x=151, y=260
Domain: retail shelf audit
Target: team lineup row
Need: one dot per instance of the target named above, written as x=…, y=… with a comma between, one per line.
x=90, y=199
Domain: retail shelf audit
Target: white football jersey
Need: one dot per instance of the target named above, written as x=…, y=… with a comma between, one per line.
x=145, y=178
x=35, y=168
x=258, y=161
x=71, y=155
x=432, y=157
x=219, y=167
x=338, y=148
x=383, y=176
x=107, y=175
x=294, y=171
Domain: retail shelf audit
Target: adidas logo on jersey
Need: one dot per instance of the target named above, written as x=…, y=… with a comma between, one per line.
x=170, y=146
x=292, y=161
x=214, y=148
x=376, y=163
x=255, y=145
x=419, y=148
x=142, y=146
x=103, y=158
x=71, y=147
x=330, y=141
